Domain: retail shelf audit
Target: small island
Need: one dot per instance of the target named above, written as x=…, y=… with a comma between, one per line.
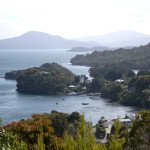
x=49, y=79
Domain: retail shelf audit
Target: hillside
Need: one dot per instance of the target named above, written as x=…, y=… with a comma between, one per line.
x=40, y=40
x=134, y=59
x=119, y=39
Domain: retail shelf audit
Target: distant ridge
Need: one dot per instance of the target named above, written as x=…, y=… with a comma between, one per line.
x=41, y=40
x=121, y=38
x=85, y=49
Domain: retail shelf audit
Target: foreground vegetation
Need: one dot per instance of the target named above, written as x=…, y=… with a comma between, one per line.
x=60, y=131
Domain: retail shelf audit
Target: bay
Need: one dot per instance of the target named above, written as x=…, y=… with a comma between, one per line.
x=15, y=106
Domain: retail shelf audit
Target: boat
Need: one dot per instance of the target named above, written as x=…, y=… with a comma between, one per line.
x=72, y=93
x=92, y=97
x=85, y=103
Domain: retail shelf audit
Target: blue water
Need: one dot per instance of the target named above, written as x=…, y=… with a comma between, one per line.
x=14, y=106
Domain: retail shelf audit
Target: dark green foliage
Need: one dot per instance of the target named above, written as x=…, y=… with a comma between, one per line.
x=130, y=74
x=47, y=79
x=75, y=116
x=76, y=79
x=139, y=83
x=118, y=64
x=110, y=72
x=100, y=130
x=139, y=137
x=111, y=91
x=138, y=92
x=95, y=85
x=59, y=123
x=132, y=59
x=117, y=71
x=12, y=75
x=112, y=76
x=62, y=122
x=133, y=91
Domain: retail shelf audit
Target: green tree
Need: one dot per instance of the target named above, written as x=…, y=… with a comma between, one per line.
x=139, y=136
x=111, y=91
x=59, y=123
x=95, y=85
x=116, y=142
x=84, y=139
x=112, y=76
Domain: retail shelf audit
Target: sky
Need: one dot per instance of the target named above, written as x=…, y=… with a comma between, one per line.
x=73, y=18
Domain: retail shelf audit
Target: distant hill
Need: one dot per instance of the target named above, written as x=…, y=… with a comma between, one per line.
x=119, y=39
x=137, y=58
x=40, y=40
x=97, y=48
x=85, y=49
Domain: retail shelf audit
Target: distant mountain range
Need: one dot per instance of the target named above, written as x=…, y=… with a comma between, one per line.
x=40, y=40
x=119, y=39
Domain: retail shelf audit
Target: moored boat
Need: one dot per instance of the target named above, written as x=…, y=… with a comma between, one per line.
x=85, y=103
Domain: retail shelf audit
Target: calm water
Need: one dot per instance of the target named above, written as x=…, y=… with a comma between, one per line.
x=14, y=106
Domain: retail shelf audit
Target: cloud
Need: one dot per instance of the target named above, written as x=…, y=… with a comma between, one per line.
x=12, y=26
x=73, y=18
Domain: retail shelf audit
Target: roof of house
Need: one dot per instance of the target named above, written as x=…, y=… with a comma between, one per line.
x=72, y=86
x=124, y=120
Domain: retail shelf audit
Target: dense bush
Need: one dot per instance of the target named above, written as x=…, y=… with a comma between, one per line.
x=133, y=59
x=19, y=135
x=29, y=130
x=139, y=136
x=95, y=85
x=47, y=79
x=100, y=130
x=111, y=91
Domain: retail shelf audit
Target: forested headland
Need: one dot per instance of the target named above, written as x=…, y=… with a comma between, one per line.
x=113, y=74
x=49, y=78
x=137, y=58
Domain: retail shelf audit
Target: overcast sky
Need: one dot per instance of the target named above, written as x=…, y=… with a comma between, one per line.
x=73, y=18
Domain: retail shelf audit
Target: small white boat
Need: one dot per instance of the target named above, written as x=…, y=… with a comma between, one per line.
x=72, y=93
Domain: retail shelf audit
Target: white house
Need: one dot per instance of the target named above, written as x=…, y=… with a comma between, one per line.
x=125, y=121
